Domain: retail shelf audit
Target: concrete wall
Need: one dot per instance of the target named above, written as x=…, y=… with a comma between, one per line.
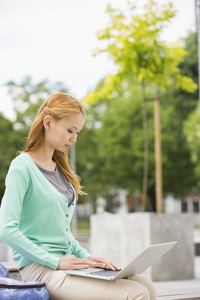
x=196, y=218
x=121, y=237
x=5, y=252
x=179, y=262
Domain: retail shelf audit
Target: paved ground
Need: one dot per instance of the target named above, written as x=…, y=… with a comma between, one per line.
x=184, y=289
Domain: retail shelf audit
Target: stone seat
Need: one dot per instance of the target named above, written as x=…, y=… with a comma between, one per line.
x=178, y=290
x=12, y=268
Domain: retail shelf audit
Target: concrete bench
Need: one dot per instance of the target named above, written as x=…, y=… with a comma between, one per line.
x=196, y=238
x=178, y=290
x=12, y=268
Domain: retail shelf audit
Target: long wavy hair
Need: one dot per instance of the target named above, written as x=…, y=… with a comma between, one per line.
x=58, y=106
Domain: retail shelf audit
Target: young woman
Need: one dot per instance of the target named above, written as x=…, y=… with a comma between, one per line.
x=37, y=207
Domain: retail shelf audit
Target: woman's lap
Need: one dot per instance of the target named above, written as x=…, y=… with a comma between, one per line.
x=62, y=286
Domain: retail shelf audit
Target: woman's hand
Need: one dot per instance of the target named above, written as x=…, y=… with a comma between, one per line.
x=71, y=262
x=102, y=262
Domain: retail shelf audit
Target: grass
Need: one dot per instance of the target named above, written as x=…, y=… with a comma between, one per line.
x=83, y=227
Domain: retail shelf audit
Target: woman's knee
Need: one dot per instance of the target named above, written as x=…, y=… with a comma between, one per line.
x=133, y=290
x=145, y=294
x=141, y=294
x=148, y=284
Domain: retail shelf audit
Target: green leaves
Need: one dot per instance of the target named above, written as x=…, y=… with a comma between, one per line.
x=10, y=140
x=134, y=42
x=28, y=97
x=192, y=133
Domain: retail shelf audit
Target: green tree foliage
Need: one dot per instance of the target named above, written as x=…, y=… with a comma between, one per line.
x=180, y=105
x=189, y=108
x=28, y=96
x=115, y=148
x=10, y=140
x=110, y=148
x=192, y=133
x=87, y=160
x=133, y=41
x=113, y=139
x=121, y=149
x=110, y=153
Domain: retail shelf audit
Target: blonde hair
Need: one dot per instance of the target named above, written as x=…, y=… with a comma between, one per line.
x=59, y=106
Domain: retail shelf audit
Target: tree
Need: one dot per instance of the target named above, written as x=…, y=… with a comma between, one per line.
x=109, y=149
x=190, y=106
x=192, y=133
x=10, y=141
x=28, y=96
x=135, y=45
x=180, y=106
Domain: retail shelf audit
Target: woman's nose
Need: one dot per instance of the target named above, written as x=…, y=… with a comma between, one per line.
x=73, y=138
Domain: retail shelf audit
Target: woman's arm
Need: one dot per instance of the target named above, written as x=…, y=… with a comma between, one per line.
x=17, y=185
x=77, y=250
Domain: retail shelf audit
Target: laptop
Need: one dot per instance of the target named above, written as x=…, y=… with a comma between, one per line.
x=137, y=266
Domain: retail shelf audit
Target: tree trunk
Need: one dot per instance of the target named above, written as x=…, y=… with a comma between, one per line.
x=146, y=149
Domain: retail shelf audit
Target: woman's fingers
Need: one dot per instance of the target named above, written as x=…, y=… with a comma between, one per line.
x=115, y=266
x=104, y=263
x=111, y=265
x=83, y=262
x=71, y=262
x=99, y=264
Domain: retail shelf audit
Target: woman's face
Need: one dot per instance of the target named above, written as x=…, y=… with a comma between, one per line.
x=62, y=134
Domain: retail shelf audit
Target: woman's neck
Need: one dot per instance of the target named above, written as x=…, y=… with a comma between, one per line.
x=44, y=159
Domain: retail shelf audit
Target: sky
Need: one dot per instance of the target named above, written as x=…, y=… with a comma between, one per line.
x=55, y=39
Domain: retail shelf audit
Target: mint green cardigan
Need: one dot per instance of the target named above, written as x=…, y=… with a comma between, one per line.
x=35, y=217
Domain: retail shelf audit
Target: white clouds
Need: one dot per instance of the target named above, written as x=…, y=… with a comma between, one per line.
x=6, y=105
x=54, y=39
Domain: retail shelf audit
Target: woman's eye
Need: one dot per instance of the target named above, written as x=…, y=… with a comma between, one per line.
x=70, y=131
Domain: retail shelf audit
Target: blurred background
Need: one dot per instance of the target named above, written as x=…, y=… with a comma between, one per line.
x=117, y=58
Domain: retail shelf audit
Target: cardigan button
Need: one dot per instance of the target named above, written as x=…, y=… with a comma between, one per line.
x=69, y=243
x=66, y=229
x=67, y=216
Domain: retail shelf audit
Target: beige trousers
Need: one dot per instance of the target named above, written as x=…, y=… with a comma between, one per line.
x=62, y=286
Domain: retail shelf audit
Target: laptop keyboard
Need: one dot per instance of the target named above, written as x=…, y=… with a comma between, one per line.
x=105, y=273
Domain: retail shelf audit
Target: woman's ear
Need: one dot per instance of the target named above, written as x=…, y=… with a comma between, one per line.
x=47, y=122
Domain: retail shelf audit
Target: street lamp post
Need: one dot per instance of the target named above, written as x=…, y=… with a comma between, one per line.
x=158, y=155
x=73, y=166
x=197, y=15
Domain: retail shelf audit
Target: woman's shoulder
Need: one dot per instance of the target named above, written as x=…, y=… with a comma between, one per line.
x=22, y=161
x=19, y=168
